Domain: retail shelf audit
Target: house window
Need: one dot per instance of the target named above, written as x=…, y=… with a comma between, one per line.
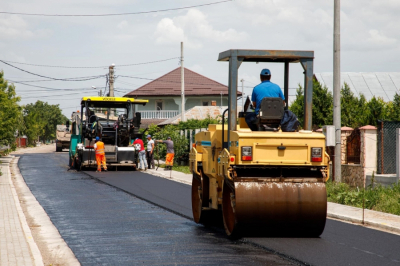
x=159, y=105
x=205, y=103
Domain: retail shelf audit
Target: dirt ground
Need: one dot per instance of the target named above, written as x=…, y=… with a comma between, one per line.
x=52, y=247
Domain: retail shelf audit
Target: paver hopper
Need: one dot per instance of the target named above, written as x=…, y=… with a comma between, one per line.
x=266, y=182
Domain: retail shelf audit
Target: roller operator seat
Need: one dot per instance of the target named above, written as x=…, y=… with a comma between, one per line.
x=270, y=114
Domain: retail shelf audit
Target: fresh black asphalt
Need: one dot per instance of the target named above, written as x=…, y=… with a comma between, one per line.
x=340, y=244
x=104, y=225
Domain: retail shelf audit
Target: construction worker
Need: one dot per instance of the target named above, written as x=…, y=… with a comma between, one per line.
x=100, y=155
x=142, y=154
x=169, y=160
x=150, y=151
x=265, y=89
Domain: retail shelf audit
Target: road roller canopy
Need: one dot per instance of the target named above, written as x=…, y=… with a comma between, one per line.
x=110, y=102
x=236, y=57
x=273, y=56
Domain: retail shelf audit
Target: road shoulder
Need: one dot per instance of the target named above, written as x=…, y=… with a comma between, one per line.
x=52, y=247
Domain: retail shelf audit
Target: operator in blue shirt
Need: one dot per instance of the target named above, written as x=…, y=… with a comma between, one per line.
x=265, y=89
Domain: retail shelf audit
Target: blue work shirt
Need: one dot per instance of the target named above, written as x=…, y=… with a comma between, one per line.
x=265, y=89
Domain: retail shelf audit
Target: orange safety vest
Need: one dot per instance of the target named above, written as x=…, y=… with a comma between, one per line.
x=100, y=148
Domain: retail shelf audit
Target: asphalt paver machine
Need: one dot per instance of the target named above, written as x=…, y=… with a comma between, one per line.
x=265, y=182
x=115, y=121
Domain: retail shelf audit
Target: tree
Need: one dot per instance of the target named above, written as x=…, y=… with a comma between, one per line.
x=394, y=109
x=376, y=110
x=41, y=120
x=297, y=106
x=322, y=107
x=351, y=108
x=10, y=112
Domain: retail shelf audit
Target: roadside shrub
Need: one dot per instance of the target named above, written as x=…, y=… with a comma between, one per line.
x=378, y=198
x=157, y=133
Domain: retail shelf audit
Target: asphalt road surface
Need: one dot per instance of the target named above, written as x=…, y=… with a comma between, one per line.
x=340, y=244
x=104, y=225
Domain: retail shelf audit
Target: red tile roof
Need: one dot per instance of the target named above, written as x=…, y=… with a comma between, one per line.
x=170, y=85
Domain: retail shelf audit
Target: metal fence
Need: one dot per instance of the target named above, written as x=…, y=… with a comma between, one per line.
x=386, y=146
x=353, y=149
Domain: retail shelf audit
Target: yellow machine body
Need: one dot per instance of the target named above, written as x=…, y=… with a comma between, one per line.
x=264, y=181
x=279, y=188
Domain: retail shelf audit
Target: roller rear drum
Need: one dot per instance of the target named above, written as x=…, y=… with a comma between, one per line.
x=275, y=208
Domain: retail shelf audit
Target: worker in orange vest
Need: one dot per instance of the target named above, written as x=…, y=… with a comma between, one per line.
x=100, y=155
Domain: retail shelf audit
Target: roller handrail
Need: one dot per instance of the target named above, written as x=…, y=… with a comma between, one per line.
x=223, y=127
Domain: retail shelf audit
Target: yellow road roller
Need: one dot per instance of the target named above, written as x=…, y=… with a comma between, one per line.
x=266, y=182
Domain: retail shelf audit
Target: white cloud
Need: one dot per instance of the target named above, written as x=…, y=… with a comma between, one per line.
x=377, y=38
x=16, y=27
x=122, y=25
x=196, y=68
x=193, y=28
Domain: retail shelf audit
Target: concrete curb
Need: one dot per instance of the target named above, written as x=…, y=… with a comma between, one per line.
x=35, y=253
x=49, y=234
x=166, y=175
x=367, y=222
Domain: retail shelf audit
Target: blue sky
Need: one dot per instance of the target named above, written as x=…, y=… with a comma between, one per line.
x=370, y=40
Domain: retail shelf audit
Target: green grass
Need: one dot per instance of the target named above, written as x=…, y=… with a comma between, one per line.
x=179, y=168
x=378, y=198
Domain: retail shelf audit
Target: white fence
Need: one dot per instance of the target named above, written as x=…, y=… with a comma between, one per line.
x=190, y=134
x=162, y=114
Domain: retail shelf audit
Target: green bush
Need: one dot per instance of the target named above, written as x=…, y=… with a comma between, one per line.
x=181, y=144
x=196, y=124
x=378, y=198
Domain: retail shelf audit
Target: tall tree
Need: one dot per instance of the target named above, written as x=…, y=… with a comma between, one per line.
x=376, y=110
x=394, y=109
x=41, y=120
x=351, y=109
x=322, y=109
x=10, y=112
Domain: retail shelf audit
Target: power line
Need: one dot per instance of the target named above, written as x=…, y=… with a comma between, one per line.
x=62, y=79
x=46, y=96
x=111, y=14
x=167, y=81
x=125, y=65
x=48, y=88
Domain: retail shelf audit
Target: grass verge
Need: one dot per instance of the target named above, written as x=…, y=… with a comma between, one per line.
x=179, y=168
x=377, y=198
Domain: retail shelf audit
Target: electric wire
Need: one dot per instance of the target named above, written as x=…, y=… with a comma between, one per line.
x=60, y=79
x=48, y=88
x=124, y=65
x=111, y=14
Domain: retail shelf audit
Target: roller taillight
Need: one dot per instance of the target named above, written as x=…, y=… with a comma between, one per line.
x=247, y=153
x=316, y=154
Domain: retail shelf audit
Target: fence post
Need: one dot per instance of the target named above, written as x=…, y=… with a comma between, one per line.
x=397, y=153
x=382, y=149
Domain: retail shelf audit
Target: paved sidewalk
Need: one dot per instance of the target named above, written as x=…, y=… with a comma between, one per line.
x=16, y=242
x=374, y=219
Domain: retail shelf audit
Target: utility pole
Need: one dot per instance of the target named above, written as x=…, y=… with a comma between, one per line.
x=111, y=82
x=242, y=80
x=336, y=91
x=221, y=99
x=182, y=86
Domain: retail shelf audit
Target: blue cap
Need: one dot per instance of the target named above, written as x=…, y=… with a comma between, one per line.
x=265, y=72
x=148, y=136
x=97, y=138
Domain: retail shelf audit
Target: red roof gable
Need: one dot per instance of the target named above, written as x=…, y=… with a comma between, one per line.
x=170, y=85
